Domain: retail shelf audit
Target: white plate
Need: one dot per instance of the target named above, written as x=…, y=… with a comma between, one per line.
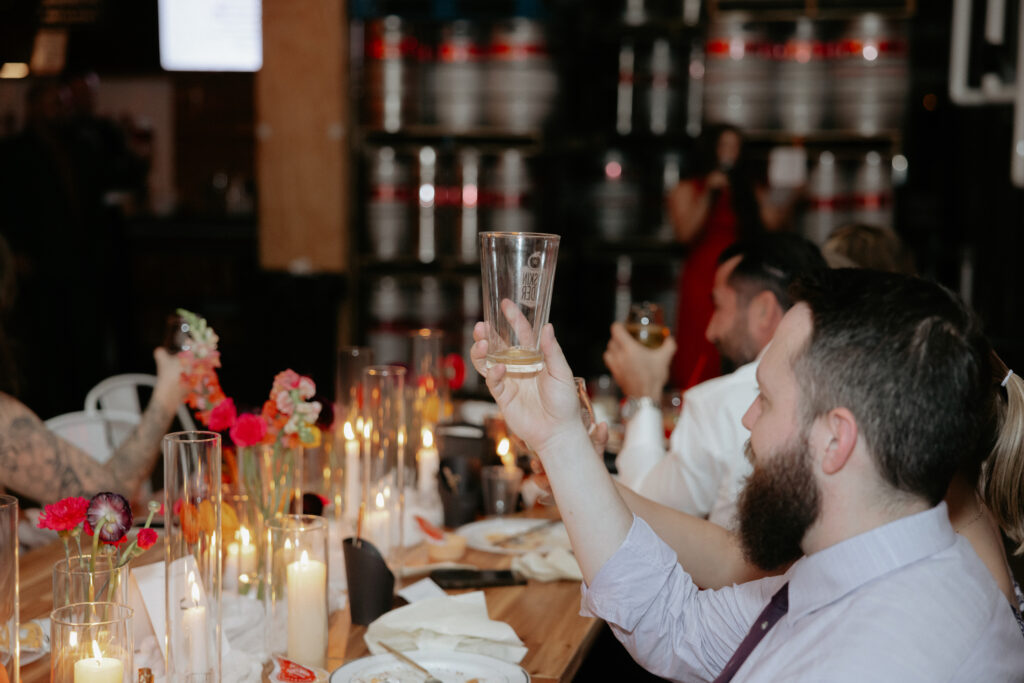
x=450, y=667
x=481, y=535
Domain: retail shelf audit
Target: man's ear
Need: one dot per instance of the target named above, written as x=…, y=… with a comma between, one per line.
x=841, y=432
x=764, y=315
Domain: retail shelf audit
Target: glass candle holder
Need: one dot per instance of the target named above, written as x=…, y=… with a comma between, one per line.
x=73, y=582
x=243, y=533
x=348, y=426
x=383, y=464
x=192, y=494
x=9, y=587
x=91, y=642
x=296, y=597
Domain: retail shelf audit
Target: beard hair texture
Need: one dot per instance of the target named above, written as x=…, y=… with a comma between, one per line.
x=778, y=504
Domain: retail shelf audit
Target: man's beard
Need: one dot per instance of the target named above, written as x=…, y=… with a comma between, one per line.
x=778, y=504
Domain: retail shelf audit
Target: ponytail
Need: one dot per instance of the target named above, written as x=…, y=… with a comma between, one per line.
x=1002, y=476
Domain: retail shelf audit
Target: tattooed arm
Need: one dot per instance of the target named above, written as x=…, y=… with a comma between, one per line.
x=38, y=464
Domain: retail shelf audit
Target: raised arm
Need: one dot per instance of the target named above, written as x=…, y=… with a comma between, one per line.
x=710, y=554
x=543, y=410
x=38, y=464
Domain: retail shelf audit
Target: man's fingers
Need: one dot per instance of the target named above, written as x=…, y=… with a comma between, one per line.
x=554, y=359
x=520, y=325
x=478, y=356
x=480, y=331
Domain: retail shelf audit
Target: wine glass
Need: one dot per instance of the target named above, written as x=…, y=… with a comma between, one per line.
x=646, y=324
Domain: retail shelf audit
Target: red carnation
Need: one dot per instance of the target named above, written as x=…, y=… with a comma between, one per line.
x=146, y=538
x=223, y=416
x=64, y=515
x=248, y=430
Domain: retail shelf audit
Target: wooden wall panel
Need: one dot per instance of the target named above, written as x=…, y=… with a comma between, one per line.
x=301, y=154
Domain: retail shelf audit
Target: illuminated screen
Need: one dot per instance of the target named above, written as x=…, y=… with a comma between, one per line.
x=210, y=35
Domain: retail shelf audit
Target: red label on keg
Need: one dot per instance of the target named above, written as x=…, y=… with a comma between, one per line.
x=509, y=52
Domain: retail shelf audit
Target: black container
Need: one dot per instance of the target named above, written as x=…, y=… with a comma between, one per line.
x=371, y=585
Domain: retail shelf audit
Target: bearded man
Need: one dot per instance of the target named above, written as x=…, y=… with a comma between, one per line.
x=872, y=394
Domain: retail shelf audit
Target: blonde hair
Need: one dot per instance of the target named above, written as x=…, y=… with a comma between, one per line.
x=857, y=245
x=1002, y=475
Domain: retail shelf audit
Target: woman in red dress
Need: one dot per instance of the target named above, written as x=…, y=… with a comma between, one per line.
x=710, y=211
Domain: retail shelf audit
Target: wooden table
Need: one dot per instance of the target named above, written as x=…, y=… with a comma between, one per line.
x=544, y=615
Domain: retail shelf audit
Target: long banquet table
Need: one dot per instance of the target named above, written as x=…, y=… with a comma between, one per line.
x=544, y=615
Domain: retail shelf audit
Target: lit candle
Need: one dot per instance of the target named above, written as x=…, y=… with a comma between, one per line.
x=351, y=471
x=193, y=624
x=428, y=463
x=307, y=612
x=99, y=669
x=376, y=525
x=247, y=554
x=505, y=453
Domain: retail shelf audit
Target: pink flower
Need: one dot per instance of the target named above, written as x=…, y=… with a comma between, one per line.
x=306, y=388
x=146, y=538
x=248, y=430
x=223, y=416
x=286, y=380
x=284, y=403
x=64, y=515
x=111, y=515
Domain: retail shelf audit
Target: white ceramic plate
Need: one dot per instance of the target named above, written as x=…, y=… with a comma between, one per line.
x=482, y=535
x=450, y=667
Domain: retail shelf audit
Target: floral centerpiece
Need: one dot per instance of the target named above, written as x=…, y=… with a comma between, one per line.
x=106, y=518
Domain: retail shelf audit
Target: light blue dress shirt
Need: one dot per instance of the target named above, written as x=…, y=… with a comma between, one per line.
x=908, y=601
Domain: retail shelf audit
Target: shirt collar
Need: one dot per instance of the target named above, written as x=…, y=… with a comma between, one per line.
x=827, y=575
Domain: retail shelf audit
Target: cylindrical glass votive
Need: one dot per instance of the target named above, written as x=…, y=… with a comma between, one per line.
x=383, y=464
x=348, y=425
x=9, y=587
x=242, y=544
x=192, y=494
x=296, y=602
x=73, y=582
x=91, y=642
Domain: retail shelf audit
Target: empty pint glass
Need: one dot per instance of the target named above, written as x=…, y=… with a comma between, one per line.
x=518, y=271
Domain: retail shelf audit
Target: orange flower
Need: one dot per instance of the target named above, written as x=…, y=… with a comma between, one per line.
x=190, y=523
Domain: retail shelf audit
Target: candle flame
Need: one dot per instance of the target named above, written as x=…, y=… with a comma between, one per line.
x=380, y=500
x=287, y=544
x=243, y=535
x=504, y=452
x=195, y=593
x=73, y=639
x=428, y=438
x=96, y=650
x=367, y=428
x=349, y=434
x=304, y=558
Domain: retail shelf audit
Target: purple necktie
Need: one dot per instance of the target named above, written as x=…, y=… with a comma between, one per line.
x=778, y=606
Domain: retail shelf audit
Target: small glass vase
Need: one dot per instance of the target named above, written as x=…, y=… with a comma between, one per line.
x=296, y=600
x=194, y=556
x=91, y=641
x=270, y=474
x=383, y=462
x=74, y=582
x=9, y=587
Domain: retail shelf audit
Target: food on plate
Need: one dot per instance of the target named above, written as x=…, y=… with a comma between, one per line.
x=441, y=545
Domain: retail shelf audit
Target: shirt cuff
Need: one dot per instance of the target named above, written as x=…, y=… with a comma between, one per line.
x=643, y=446
x=631, y=580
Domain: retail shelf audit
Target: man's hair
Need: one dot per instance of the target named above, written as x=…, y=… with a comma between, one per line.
x=772, y=261
x=909, y=360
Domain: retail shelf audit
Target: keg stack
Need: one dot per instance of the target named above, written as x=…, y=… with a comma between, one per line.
x=805, y=77
x=452, y=112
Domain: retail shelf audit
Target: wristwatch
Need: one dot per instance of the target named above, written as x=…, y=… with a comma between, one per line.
x=633, y=405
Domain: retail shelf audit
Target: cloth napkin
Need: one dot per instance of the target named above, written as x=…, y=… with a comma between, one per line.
x=458, y=622
x=556, y=565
